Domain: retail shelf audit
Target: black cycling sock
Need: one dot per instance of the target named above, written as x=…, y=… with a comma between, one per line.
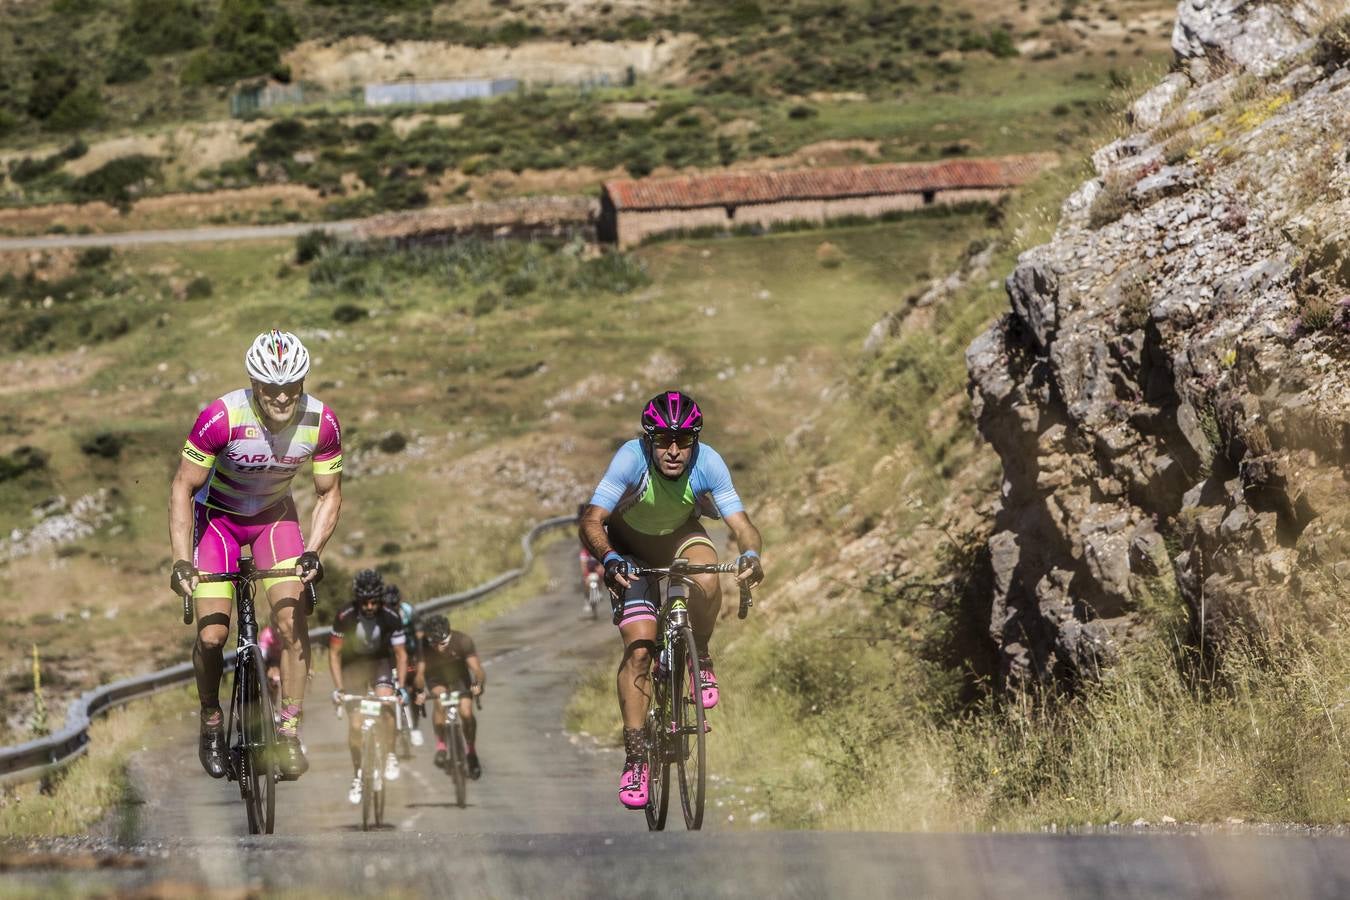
x=208, y=663
x=634, y=744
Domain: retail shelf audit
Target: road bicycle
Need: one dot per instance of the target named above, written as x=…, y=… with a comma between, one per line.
x=594, y=593
x=456, y=745
x=371, y=709
x=676, y=727
x=250, y=727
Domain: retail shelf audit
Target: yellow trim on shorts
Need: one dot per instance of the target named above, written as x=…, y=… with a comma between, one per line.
x=268, y=583
x=214, y=590
x=692, y=540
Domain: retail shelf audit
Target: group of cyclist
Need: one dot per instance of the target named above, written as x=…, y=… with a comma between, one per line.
x=232, y=489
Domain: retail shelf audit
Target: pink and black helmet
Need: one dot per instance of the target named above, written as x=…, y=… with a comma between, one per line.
x=672, y=411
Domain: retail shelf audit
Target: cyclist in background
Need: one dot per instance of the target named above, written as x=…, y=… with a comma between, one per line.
x=646, y=509
x=450, y=663
x=270, y=648
x=233, y=488
x=365, y=635
x=393, y=598
x=589, y=565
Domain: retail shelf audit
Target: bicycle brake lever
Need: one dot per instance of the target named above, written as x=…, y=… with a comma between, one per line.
x=746, y=602
x=187, y=609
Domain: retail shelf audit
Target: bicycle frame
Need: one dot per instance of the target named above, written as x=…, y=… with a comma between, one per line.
x=456, y=763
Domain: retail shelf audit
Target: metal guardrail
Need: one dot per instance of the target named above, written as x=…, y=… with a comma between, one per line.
x=33, y=759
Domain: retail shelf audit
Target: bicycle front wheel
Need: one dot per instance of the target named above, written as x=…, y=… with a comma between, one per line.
x=458, y=765
x=368, y=763
x=658, y=755
x=254, y=754
x=686, y=698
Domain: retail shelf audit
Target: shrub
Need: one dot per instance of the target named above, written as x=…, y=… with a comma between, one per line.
x=162, y=26
x=52, y=80
x=104, y=444
x=125, y=66
x=80, y=108
x=199, y=288
x=311, y=244
x=802, y=111
x=113, y=181
x=93, y=258
x=23, y=459
x=1112, y=201
x=346, y=313
x=1333, y=44
x=394, y=442
x=247, y=38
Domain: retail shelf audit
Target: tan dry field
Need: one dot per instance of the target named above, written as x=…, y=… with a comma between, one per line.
x=355, y=61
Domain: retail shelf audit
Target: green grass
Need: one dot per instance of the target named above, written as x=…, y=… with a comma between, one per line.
x=509, y=414
x=84, y=792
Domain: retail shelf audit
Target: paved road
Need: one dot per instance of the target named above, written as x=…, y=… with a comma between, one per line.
x=178, y=235
x=543, y=822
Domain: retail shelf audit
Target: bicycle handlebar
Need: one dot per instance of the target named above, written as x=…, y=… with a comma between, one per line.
x=681, y=568
x=238, y=578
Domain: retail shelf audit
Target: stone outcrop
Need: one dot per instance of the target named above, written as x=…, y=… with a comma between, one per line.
x=1168, y=394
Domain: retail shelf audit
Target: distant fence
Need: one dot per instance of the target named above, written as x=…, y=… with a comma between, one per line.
x=438, y=91
x=33, y=759
x=249, y=100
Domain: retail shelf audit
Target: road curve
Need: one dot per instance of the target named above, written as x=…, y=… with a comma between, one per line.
x=219, y=234
x=543, y=821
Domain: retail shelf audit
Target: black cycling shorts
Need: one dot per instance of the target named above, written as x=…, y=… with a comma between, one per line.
x=363, y=673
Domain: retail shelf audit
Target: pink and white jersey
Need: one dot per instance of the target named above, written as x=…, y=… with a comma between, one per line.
x=251, y=467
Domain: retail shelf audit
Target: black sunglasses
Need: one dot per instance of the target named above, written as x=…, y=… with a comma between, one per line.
x=663, y=439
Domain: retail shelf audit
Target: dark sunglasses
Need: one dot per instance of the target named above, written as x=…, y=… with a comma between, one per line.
x=663, y=439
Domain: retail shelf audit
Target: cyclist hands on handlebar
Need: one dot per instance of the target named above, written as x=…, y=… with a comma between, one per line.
x=183, y=579
x=749, y=570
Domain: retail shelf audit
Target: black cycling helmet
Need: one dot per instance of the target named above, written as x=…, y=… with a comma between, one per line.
x=392, y=595
x=437, y=628
x=368, y=583
x=672, y=411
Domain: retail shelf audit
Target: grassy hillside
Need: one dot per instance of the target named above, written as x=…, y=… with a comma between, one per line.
x=481, y=387
x=889, y=81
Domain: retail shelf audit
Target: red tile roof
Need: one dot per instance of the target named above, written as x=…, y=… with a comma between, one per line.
x=721, y=189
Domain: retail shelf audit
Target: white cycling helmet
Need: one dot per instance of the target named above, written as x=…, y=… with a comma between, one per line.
x=277, y=357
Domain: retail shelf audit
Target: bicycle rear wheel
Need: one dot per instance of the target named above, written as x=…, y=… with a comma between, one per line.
x=658, y=756
x=458, y=764
x=686, y=691
x=368, y=762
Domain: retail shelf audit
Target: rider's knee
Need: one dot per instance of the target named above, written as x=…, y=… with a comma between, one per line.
x=705, y=588
x=638, y=655
x=283, y=623
x=213, y=637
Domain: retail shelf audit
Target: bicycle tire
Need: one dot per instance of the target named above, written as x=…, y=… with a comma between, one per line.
x=382, y=783
x=262, y=748
x=367, y=778
x=686, y=691
x=459, y=763
x=594, y=601
x=658, y=757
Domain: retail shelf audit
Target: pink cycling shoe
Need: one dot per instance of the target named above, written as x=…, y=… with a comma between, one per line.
x=633, y=784
x=710, y=693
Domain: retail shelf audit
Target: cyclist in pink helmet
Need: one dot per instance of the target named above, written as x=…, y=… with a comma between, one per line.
x=646, y=509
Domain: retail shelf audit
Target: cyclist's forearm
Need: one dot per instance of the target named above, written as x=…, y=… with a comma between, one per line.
x=593, y=534
x=335, y=666
x=747, y=535
x=324, y=521
x=476, y=670
x=401, y=665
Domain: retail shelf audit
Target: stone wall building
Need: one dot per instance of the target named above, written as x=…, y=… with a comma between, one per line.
x=632, y=209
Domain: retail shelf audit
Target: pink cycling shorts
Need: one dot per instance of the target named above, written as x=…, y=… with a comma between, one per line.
x=274, y=536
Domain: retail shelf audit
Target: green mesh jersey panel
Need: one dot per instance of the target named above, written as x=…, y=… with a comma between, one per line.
x=664, y=506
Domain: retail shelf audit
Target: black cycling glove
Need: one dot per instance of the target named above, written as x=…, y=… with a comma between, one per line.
x=309, y=562
x=180, y=581
x=615, y=565
x=750, y=560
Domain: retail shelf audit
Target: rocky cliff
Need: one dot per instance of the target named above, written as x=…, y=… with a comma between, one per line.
x=1168, y=395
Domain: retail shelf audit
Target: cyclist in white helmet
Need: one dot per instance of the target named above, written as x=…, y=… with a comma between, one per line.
x=233, y=488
